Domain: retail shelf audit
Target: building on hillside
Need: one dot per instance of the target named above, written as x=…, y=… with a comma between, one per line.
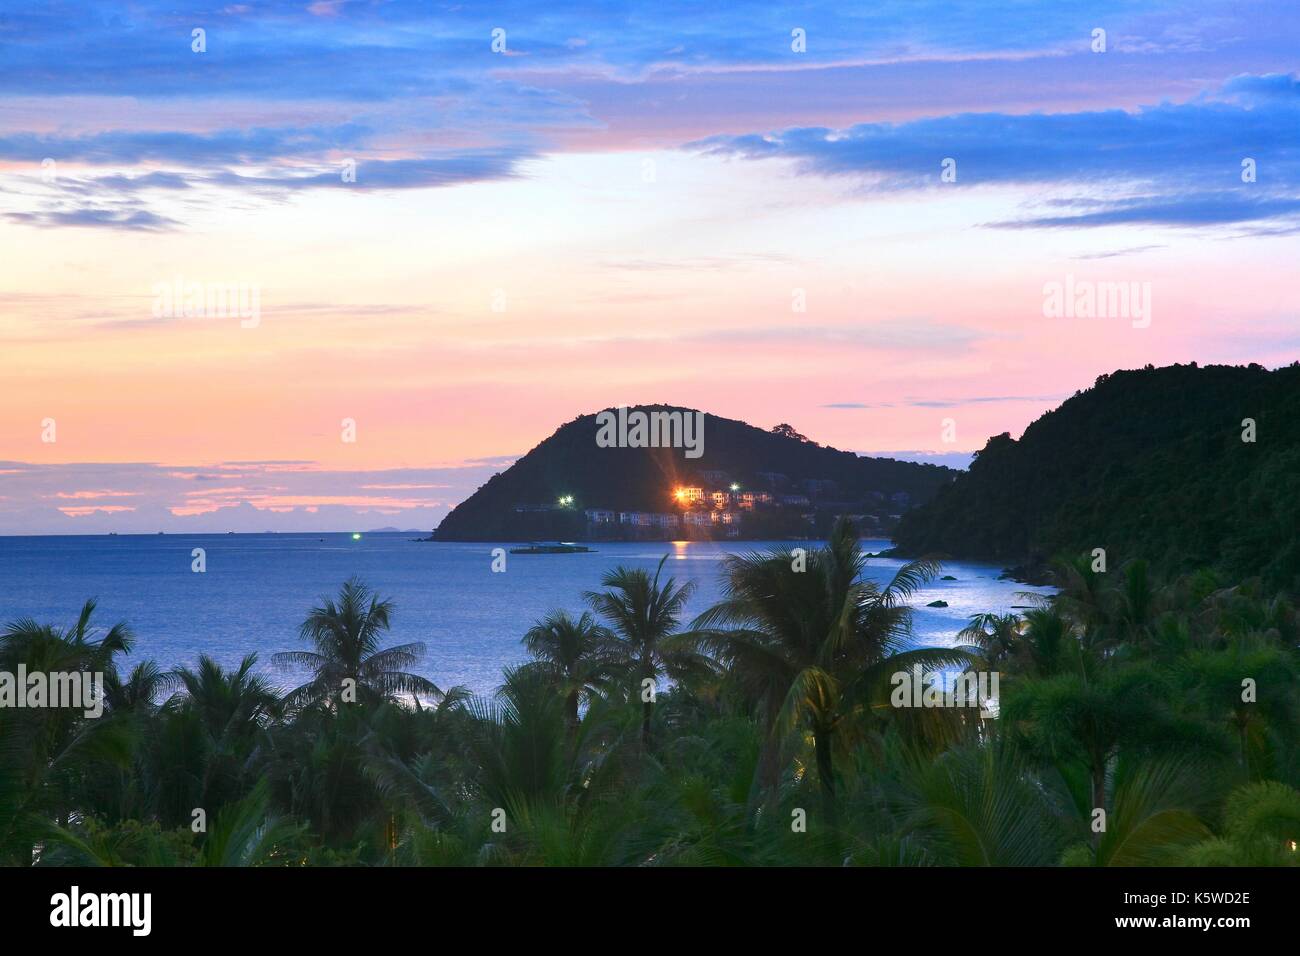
x=688, y=495
x=600, y=516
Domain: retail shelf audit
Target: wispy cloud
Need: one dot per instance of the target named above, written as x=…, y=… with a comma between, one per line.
x=1118, y=253
x=1206, y=210
x=131, y=220
x=265, y=495
x=1176, y=164
x=287, y=165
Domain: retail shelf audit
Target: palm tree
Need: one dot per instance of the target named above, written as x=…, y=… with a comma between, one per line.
x=517, y=743
x=1052, y=645
x=1261, y=828
x=1135, y=603
x=210, y=730
x=1213, y=681
x=1082, y=725
x=138, y=691
x=998, y=636
x=47, y=648
x=977, y=805
x=577, y=657
x=555, y=790
x=812, y=642
x=49, y=756
x=642, y=613
x=248, y=833
x=1083, y=597
x=228, y=703
x=346, y=637
x=40, y=775
x=1160, y=804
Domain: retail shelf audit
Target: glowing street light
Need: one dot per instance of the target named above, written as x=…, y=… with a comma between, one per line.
x=566, y=500
x=734, y=486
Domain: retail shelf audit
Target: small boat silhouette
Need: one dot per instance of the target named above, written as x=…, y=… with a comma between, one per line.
x=560, y=547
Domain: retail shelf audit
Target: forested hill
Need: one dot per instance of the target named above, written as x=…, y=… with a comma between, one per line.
x=1147, y=463
x=569, y=463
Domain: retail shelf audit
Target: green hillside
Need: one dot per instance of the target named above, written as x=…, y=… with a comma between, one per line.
x=1147, y=463
x=569, y=463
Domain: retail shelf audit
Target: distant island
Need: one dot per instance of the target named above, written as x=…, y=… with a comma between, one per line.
x=1184, y=466
x=747, y=482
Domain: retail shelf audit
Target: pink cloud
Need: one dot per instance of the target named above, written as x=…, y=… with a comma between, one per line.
x=95, y=494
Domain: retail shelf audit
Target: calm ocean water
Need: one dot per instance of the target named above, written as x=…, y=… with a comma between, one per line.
x=257, y=588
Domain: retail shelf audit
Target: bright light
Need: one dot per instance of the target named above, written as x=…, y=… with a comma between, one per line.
x=356, y=536
x=735, y=487
x=566, y=500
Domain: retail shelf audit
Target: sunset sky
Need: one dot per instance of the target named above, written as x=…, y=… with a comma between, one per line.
x=626, y=204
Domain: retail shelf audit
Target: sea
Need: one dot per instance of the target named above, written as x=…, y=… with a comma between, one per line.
x=257, y=588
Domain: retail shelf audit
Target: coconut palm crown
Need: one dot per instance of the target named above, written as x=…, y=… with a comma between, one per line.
x=346, y=636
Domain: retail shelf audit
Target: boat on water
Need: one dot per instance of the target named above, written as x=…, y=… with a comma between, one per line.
x=560, y=547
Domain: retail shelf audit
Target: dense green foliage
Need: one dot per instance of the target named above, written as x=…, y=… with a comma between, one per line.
x=1126, y=466
x=776, y=744
x=642, y=479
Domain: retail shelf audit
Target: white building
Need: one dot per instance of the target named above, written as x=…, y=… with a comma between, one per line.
x=689, y=495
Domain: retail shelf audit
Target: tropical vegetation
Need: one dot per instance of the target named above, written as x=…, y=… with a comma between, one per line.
x=1139, y=720
x=1124, y=465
